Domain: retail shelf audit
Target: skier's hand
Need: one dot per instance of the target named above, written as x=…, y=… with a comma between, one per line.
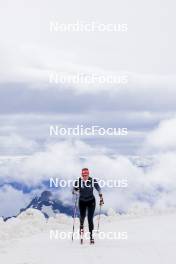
x=101, y=199
x=76, y=192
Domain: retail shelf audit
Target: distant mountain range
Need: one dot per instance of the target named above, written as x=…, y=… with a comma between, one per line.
x=47, y=205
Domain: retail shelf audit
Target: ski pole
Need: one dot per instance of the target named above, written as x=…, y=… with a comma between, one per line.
x=74, y=216
x=99, y=219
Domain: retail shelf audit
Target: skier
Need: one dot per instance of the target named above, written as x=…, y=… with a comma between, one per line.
x=84, y=186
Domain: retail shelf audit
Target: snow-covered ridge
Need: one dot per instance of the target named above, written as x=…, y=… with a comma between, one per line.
x=32, y=221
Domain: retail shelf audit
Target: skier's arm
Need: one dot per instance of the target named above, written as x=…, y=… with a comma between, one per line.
x=98, y=188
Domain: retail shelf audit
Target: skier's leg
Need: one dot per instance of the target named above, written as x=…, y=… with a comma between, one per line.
x=82, y=210
x=91, y=210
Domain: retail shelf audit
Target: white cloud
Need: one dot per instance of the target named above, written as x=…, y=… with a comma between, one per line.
x=12, y=201
x=163, y=137
x=156, y=186
x=15, y=144
x=30, y=50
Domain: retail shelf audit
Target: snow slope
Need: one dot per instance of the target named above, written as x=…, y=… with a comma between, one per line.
x=26, y=240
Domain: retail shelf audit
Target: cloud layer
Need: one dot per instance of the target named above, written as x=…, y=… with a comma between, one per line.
x=155, y=186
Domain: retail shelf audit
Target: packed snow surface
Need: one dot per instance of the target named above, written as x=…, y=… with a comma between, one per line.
x=149, y=238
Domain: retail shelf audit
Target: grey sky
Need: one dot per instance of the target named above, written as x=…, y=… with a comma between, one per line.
x=148, y=47
x=28, y=50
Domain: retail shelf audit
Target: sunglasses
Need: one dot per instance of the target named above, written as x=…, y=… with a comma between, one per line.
x=85, y=174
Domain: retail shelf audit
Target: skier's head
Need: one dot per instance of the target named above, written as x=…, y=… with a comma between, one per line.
x=85, y=173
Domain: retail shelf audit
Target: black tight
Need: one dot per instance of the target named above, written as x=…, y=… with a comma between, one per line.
x=90, y=207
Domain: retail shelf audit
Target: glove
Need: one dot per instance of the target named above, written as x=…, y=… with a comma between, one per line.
x=101, y=199
x=75, y=192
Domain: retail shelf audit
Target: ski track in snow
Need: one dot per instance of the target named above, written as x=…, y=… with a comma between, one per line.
x=151, y=239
